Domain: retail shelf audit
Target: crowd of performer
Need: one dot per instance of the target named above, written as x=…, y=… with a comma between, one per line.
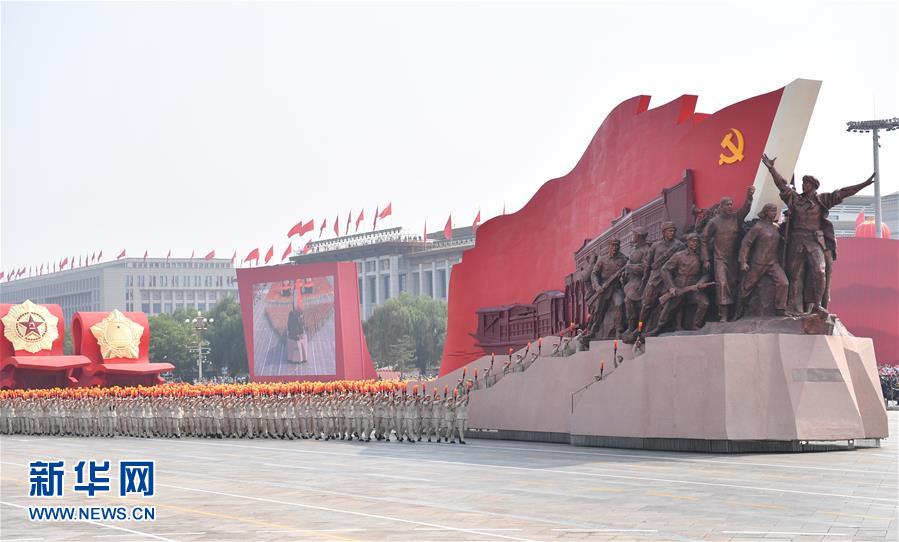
x=346, y=410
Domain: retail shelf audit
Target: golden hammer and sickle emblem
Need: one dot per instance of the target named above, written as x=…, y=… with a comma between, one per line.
x=736, y=150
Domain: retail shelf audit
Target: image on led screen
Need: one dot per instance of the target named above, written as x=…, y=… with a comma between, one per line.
x=293, y=327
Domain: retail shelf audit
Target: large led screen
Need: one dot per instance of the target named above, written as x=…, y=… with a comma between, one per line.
x=294, y=328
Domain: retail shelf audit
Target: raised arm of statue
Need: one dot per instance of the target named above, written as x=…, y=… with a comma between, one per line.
x=778, y=179
x=747, y=204
x=837, y=196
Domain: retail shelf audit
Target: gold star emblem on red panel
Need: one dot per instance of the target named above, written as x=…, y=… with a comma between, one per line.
x=30, y=327
x=118, y=336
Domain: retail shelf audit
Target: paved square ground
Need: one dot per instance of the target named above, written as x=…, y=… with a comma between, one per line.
x=487, y=490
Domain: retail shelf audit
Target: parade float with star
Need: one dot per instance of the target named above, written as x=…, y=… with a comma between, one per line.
x=109, y=349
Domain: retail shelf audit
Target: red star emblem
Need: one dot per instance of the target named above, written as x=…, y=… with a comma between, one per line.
x=31, y=326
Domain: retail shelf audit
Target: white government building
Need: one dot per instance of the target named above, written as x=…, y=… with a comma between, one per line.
x=388, y=262
x=153, y=286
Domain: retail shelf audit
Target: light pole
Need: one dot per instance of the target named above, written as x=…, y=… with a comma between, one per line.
x=874, y=126
x=200, y=324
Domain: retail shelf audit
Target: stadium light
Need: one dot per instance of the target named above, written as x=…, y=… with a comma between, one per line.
x=875, y=126
x=200, y=324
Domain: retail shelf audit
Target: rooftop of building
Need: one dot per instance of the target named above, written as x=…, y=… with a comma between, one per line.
x=392, y=241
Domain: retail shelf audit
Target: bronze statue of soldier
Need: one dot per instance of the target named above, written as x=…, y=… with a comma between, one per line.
x=684, y=278
x=585, y=282
x=659, y=253
x=759, y=257
x=607, y=291
x=810, y=242
x=719, y=243
x=636, y=271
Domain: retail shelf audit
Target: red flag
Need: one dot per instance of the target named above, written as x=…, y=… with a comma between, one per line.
x=295, y=230
x=209, y=256
x=100, y=255
x=145, y=254
x=337, y=225
x=448, y=229
x=270, y=253
x=64, y=263
x=192, y=253
x=349, y=217
x=287, y=251
x=121, y=255
x=322, y=227
x=233, y=257
x=477, y=222
x=360, y=218
x=168, y=255
x=41, y=270
x=387, y=211
x=308, y=247
x=374, y=224
x=307, y=227
x=93, y=257
x=424, y=237
x=860, y=218
x=253, y=255
x=2, y=274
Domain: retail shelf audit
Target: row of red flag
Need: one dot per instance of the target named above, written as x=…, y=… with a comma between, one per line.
x=300, y=229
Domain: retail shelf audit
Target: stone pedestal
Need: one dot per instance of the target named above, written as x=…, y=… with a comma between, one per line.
x=726, y=392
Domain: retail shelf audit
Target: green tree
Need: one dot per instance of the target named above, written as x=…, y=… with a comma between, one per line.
x=226, y=340
x=170, y=339
x=405, y=323
x=402, y=353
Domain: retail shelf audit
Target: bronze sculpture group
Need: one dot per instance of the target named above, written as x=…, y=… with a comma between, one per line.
x=786, y=267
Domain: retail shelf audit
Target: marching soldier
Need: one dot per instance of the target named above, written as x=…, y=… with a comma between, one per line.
x=461, y=418
x=449, y=419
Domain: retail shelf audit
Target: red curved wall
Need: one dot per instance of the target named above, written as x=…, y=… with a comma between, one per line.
x=634, y=155
x=864, y=292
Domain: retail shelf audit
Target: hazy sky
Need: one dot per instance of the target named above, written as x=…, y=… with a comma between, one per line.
x=218, y=126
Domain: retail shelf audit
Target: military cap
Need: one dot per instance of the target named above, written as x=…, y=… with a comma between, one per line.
x=668, y=225
x=640, y=230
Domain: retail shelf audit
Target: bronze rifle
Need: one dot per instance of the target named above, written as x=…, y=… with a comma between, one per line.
x=615, y=276
x=686, y=289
